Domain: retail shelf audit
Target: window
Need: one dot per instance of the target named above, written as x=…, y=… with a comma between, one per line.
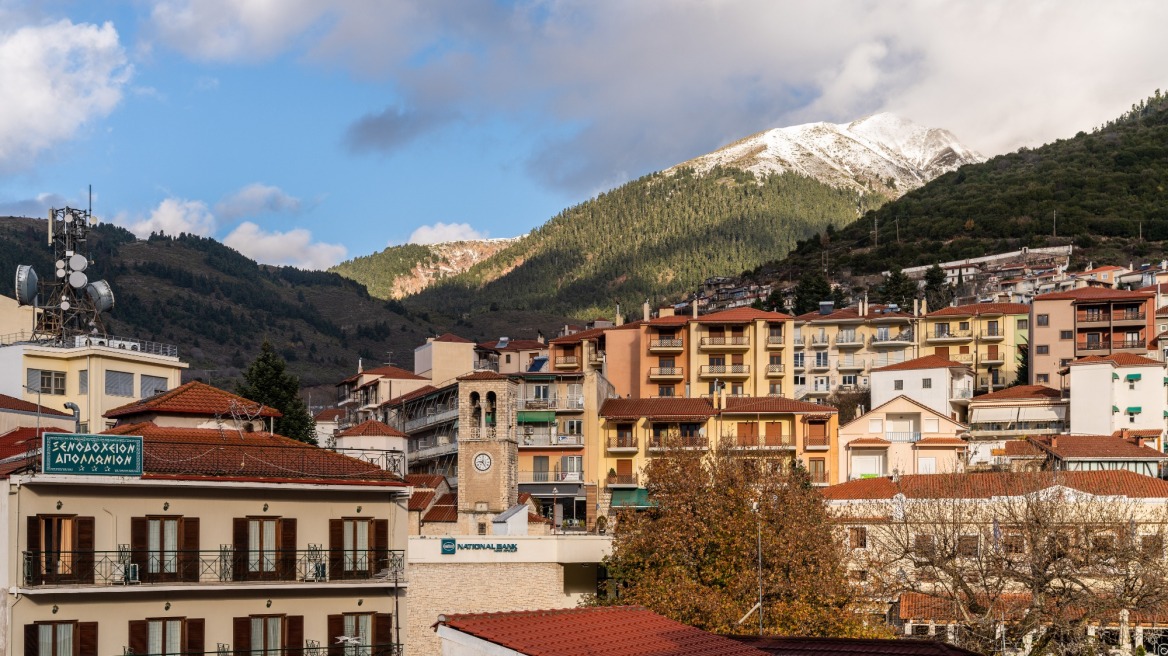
x=355, y=546
x=927, y=383
x=360, y=627
x=799, y=360
x=573, y=427
x=167, y=636
x=1152, y=546
x=119, y=383
x=898, y=384
x=46, y=382
x=151, y=385
x=858, y=537
x=737, y=389
x=1013, y=543
x=775, y=389
x=1066, y=334
x=800, y=379
x=1064, y=362
x=776, y=360
x=162, y=542
x=821, y=359
x=848, y=379
x=968, y=546
x=61, y=638
x=164, y=637
x=540, y=392
x=267, y=635
x=923, y=544
x=1043, y=320
x=265, y=548
x=1042, y=378
x=876, y=426
x=1041, y=349
x=62, y=548
x=261, y=545
x=964, y=325
x=507, y=358
x=482, y=528
x=83, y=381
x=665, y=390
x=539, y=464
x=1023, y=324
x=571, y=468
x=373, y=633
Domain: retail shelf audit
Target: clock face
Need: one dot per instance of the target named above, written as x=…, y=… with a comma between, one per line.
x=482, y=462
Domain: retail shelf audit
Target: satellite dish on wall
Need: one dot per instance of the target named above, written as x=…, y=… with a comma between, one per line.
x=102, y=296
x=26, y=285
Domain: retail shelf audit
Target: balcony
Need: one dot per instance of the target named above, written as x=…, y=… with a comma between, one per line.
x=820, y=341
x=759, y=441
x=850, y=365
x=902, y=436
x=662, y=442
x=486, y=365
x=545, y=440
x=799, y=341
x=775, y=342
x=1128, y=317
x=816, y=443
x=623, y=444
x=961, y=394
x=736, y=343
x=225, y=565
x=622, y=480
x=775, y=370
x=819, y=391
x=567, y=362
x=818, y=476
x=428, y=449
x=729, y=371
x=1104, y=345
x=347, y=398
x=820, y=364
x=991, y=359
x=888, y=340
x=430, y=417
x=666, y=373
x=550, y=477
x=666, y=345
x=849, y=339
x=595, y=358
x=992, y=335
x=799, y=364
x=948, y=336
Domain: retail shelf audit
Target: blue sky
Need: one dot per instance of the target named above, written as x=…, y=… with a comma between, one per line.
x=307, y=132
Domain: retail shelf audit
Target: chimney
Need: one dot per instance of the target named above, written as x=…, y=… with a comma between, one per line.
x=1054, y=441
x=694, y=308
x=539, y=337
x=864, y=305
x=665, y=311
x=619, y=320
x=360, y=367
x=645, y=310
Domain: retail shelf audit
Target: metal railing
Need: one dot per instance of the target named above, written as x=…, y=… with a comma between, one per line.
x=223, y=565
x=665, y=344
x=903, y=337
x=615, y=442
x=775, y=340
x=992, y=334
x=665, y=372
x=849, y=338
x=428, y=419
x=902, y=436
x=574, y=402
x=551, y=477
x=486, y=365
x=814, y=442
x=1103, y=344
x=725, y=369
x=961, y=393
x=725, y=341
x=657, y=442
x=951, y=334
x=775, y=369
x=622, y=479
x=759, y=441
x=550, y=439
x=432, y=448
x=820, y=340
x=310, y=648
x=799, y=340
x=567, y=361
x=818, y=476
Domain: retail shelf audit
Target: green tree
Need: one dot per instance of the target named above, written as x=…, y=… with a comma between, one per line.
x=694, y=555
x=938, y=292
x=898, y=288
x=1022, y=376
x=266, y=381
x=812, y=289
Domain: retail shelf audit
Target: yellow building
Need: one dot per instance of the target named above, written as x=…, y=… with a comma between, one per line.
x=984, y=336
x=835, y=349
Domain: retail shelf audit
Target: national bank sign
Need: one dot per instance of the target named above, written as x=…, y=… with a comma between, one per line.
x=102, y=455
x=450, y=546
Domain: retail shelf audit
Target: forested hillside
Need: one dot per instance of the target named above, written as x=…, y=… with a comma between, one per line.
x=653, y=238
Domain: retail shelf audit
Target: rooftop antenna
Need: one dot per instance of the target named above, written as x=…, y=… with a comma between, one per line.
x=389, y=358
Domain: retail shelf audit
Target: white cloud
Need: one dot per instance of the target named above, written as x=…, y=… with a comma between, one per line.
x=225, y=30
x=172, y=216
x=37, y=206
x=56, y=78
x=293, y=248
x=444, y=232
x=256, y=198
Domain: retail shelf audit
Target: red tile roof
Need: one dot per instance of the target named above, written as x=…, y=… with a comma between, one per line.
x=445, y=509
x=576, y=338
x=771, y=404
x=869, y=442
x=211, y=453
x=20, y=405
x=371, y=428
x=514, y=345
x=421, y=500
x=1022, y=449
x=801, y=646
x=452, y=338
x=415, y=394
x=21, y=440
x=941, y=441
x=482, y=375
x=984, y=485
x=329, y=414
x=1120, y=359
x=852, y=313
x=1094, y=294
x=920, y=606
x=429, y=481
x=626, y=326
x=658, y=408
x=1021, y=392
x=1139, y=432
x=976, y=309
x=743, y=315
x=611, y=630
x=671, y=320
x=1105, y=267
x=387, y=371
x=1091, y=447
x=926, y=362
x=194, y=398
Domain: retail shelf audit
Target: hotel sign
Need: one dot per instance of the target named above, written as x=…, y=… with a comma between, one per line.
x=102, y=455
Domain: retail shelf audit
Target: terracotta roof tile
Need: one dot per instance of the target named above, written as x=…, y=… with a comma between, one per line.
x=742, y=315
x=612, y=630
x=193, y=398
x=387, y=371
x=576, y=338
x=926, y=362
x=429, y=481
x=20, y=405
x=672, y=320
x=852, y=313
x=657, y=408
x=445, y=509
x=1139, y=432
x=415, y=394
x=483, y=375
x=329, y=414
x=869, y=442
x=1022, y=449
x=941, y=441
x=976, y=309
x=628, y=325
x=1021, y=392
x=514, y=345
x=371, y=428
x=803, y=646
x=22, y=440
x=920, y=606
x=1120, y=359
x=452, y=338
x=421, y=500
x=769, y=404
x=984, y=485
x=1094, y=294
x=1087, y=447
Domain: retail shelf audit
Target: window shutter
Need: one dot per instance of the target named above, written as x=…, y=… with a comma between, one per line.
x=241, y=634
x=294, y=635
x=33, y=538
x=32, y=639
x=139, y=637
x=87, y=636
x=288, y=548
x=196, y=636
x=239, y=538
x=336, y=548
x=138, y=544
x=188, y=561
x=380, y=544
x=84, y=558
x=383, y=634
x=336, y=627
x=33, y=380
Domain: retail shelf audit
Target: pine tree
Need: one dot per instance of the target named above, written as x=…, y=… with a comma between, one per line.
x=898, y=289
x=938, y=292
x=812, y=289
x=266, y=381
x=1022, y=374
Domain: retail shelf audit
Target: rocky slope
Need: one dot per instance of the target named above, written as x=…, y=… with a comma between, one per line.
x=447, y=259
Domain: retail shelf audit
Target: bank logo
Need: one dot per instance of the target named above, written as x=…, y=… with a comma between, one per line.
x=448, y=547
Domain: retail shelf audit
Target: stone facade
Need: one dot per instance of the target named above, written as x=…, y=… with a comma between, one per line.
x=488, y=476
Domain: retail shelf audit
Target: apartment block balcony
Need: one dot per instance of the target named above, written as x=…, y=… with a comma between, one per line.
x=799, y=341
x=740, y=343
x=666, y=345
x=799, y=365
x=622, y=480
x=429, y=417
x=754, y=442
x=550, y=477
x=816, y=443
x=595, y=358
x=818, y=476
x=347, y=398
x=486, y=365
x=819, y=391
x=889, y=340
x=856, y=364
x=992, y=335
x=431, y=448
x=961, y=394
x=1102, y=346
x=571, y=403
x=1128, y=317
x=948, y=336
x=546, y=440
x=902, y=436
x=622, y=444
x=727, y=371
x=225, y=565
x=820, y=365
x=775, y=342
x=963, y=358
x=820, y=341
x=666, y=373
x=567, y=362
x=662, y=442
x=775, y=370
x=991, y=359
x=849, y=339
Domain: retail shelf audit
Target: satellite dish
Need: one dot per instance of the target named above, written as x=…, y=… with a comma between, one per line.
x=77, y=280
x=78, y=262
x=102, y=296
x=26, y=285
x=65, y=305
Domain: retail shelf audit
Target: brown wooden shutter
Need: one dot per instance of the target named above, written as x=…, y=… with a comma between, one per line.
x=624, y=467
x=196, y=636
x=774, y=433
x=380, y=544
x=138, y=544
x=139, y=637
x=336, y=627
x=383, y=634
x=941, y=351
x=188, y=560
x=241, y=635
x=33, y=538
x=287, y=558
x=239, y=539
x=336, y=549
x=84, y=560
x=294, y=635
x=87, y=635
x=32, y=637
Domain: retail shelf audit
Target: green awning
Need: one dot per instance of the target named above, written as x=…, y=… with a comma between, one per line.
x=1134, y=410
x=1134, y=376
x=1166, y=380
x=1114, y=409
x=1166, y=414
x=637, y=498
x=530, y=377
x=535, y=416
x=1114, y=376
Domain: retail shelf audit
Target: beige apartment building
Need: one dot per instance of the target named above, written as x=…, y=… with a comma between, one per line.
x=836, y=349
x=984, y=336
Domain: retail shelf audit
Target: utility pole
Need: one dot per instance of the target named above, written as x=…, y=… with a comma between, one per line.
x=875, y=231
x=1054, y=230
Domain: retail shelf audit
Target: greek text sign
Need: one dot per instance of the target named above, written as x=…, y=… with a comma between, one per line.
x=104, y=455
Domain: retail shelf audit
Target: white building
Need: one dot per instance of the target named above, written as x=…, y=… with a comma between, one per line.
x=1113, y=392
x=933, y=381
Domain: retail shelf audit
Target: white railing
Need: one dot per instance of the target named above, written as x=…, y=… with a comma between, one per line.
x=902, y=436
x=438, y=416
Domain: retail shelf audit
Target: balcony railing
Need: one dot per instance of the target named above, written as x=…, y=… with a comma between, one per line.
x=856, y=364
x=572, y=402
x=725, y=370
x=486, y=365
x=815, y=443
x=622, y=480
x=818, y=476
x=961, y=393
x=851, y=338
x=658, y=442
x=775, y=369
x=723, y=342
x=992, y=334
x=595, y=358
x=666, y=372
x=550, y=440
x=666, y=344
x=759, y=441
x=888, y=339
x=799, y=340
x=551, y=476
x=622, y=443
x=430, y=417
x=1104, y=344
x=223, y=565
x=432, y=448
x=950, y=334
x=567, y=361
x=309, y=648
x=820, y=341
x=902, y=436
x=775, y=341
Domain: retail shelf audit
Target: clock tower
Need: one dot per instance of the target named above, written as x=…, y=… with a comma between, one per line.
x=488, y=451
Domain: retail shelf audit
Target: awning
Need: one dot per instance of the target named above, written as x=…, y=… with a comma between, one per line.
x=1115, y=408
x=1133, y=376
x=535, y=416
x=993, y=415
x=638, y=498
x=1056, y=413
x=1114, y=376
x=562, y=490
x=1134, y=410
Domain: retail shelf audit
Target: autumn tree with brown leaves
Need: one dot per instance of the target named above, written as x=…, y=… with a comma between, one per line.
x=693, y=556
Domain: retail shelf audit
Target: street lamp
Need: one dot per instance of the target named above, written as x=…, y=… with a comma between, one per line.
x=36, y=389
